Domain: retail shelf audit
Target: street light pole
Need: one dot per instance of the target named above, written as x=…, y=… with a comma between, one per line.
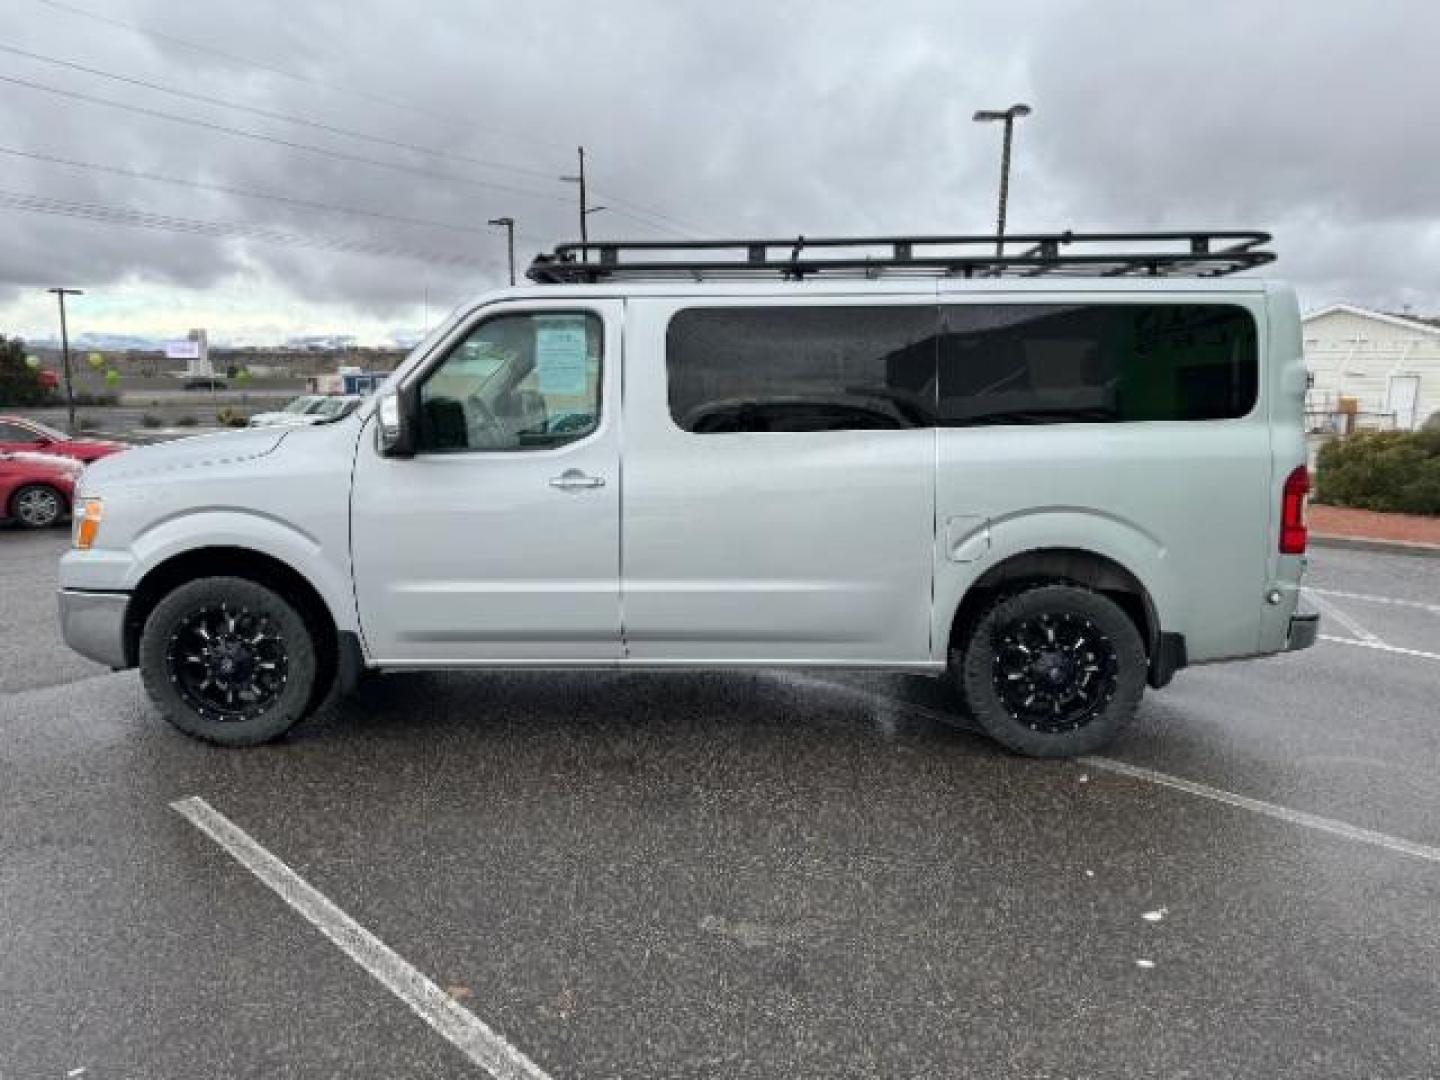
x=509, y=224
x=1008, y=116
x=65, y=352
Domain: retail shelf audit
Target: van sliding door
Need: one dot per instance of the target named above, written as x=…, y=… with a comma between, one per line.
x=778, y=500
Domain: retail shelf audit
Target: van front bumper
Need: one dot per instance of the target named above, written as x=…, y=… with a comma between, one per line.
x=93, y=624
x=1304, y=629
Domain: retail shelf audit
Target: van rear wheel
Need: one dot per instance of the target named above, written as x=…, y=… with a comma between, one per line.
x=229, y=661
x=1055, y=670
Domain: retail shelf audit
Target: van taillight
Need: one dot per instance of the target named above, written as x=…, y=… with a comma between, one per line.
x=1293, y=533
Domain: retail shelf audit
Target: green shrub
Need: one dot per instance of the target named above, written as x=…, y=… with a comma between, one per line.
x=186, y=421
x=230, y=418
x=1390, y=471
x=150, y=420
x=19, y=383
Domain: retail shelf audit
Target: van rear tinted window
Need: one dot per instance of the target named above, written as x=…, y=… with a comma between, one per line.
x=1059, y=363
x=818, y=368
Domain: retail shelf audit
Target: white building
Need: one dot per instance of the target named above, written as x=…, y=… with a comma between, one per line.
x=1384, y=369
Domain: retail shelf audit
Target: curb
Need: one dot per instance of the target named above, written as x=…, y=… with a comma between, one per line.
x=1367, y=543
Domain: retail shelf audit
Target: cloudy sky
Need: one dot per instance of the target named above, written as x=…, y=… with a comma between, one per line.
x=268, y=168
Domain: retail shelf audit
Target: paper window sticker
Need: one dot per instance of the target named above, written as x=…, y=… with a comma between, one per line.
x=562, y=356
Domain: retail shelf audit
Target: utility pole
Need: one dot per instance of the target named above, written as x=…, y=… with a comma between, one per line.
x=509, y=224
x=585, y=210
x=1009, y=116
x=65, y=352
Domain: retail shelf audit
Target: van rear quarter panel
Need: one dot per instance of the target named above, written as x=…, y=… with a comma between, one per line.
x=1185, y=506
x=1287, y=377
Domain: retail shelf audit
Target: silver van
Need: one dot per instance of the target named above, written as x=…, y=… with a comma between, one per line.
x=1051, y=475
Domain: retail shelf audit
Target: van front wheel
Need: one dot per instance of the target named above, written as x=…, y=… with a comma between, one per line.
x=228, y=660
x=1054, y=670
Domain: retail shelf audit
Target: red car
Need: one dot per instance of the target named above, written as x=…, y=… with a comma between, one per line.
x=18, y=433
x=36, y=490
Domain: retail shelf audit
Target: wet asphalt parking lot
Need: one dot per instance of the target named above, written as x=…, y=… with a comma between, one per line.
x=751, y=875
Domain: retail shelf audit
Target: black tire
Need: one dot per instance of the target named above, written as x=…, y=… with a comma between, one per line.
x=1054, y=670
x=37, y=506
x=247, y=642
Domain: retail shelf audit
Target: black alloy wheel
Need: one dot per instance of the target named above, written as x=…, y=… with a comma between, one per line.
x=1051, y=670
x=229, y=664
x=230, y=661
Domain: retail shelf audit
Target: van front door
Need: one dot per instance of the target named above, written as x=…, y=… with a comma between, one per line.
x=499, y=541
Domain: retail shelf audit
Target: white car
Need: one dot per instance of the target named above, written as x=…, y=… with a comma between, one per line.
x=329, y=407
x=1048, y=478
x=299, y=407
x=332, y=408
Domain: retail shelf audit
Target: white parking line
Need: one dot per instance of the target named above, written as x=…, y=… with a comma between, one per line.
x=1381, y=646
x=1433, y=609
x=471, y=1036
x=1205, y=791
x=1346, y=621
x=1282, y=813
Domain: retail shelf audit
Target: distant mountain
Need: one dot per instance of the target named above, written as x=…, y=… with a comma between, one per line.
x=91, y=342
x=103, y=342
x=115, y=342
x=321, y=341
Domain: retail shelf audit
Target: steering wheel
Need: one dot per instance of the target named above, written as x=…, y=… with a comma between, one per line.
x=483, y=429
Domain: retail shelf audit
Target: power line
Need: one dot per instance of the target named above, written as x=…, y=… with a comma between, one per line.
x=656, y=220
x=214, y=229
x=288, y=143
x=635, y=212
x=246, y=193
x=220, y=230
x=287, y=118
x=311, y=80
x=293, y=145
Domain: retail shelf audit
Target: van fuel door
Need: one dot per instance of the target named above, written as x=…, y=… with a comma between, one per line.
x=967, y=537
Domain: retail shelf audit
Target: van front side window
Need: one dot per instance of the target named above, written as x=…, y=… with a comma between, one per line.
x=516, y=382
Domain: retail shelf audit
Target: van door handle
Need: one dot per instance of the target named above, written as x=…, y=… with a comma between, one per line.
x=575, y=480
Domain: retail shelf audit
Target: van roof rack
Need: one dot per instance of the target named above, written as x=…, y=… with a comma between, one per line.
x=1145, y=254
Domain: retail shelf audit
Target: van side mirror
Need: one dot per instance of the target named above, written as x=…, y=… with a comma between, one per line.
x=395, y=424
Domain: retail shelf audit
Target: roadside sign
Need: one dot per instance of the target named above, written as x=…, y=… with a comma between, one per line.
x=182, y=350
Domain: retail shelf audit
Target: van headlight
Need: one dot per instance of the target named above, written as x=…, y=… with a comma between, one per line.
x=86, y=522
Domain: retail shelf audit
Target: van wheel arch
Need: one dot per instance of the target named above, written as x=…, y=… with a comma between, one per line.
x=251, y=565
x=1060, y=566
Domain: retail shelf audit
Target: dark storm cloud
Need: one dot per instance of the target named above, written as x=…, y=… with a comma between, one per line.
x=1309, y=119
